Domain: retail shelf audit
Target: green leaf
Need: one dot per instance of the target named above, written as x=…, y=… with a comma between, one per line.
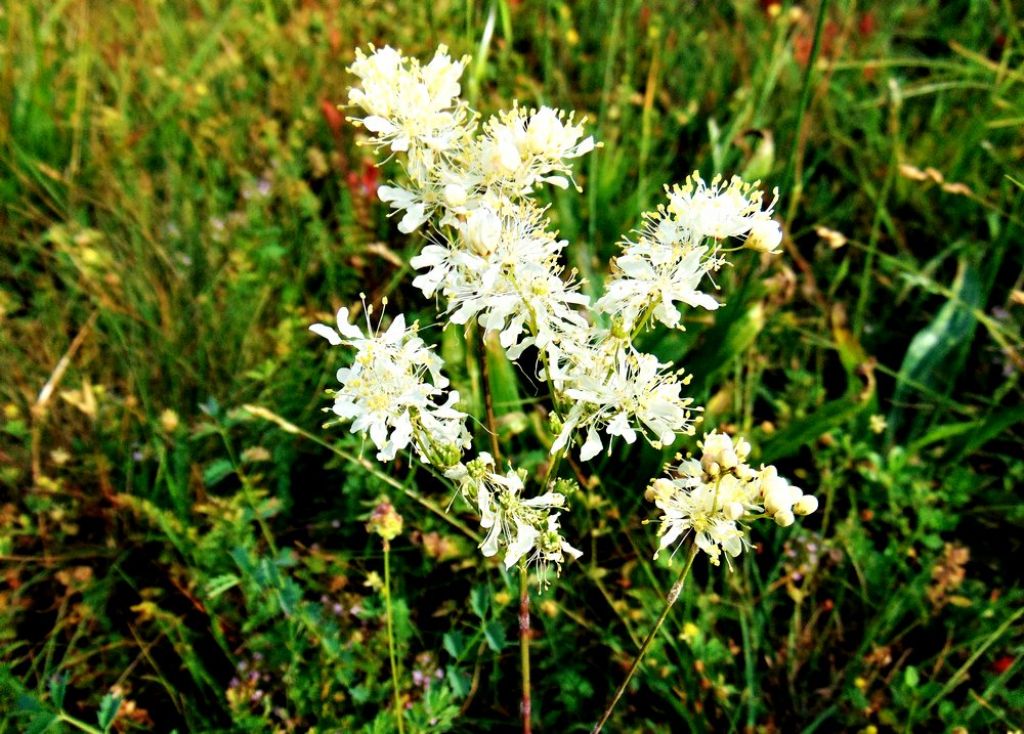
x=42, y=722
x=494, y=633
x=108, y=710
x=935, y=355
x=454, y=643
x=219, y=584
x=58, y=687
x=216, y=471
x=733, y=333
x=994, y=425
x=480, y=601
x=459, y=680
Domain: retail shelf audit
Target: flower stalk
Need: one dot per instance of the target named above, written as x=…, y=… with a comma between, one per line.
x=524, y=644
x=399, y=719
x=673, y=594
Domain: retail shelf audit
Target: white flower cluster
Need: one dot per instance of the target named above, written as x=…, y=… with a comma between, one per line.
x=494, y=262
x=717, y=496
x=392, y=389
x=622, y=392
x=452, y=167
x=680, y=244
x=525, y=528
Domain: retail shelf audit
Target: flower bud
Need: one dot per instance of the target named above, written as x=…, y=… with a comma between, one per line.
x=544, y=131
x=780, y=497
x=385, y=521
x=454, y=195
x=765, y=236
x=784, y=519
x=806, y=505
x=482, y=230
x=448, y=456
x=719, y=454
x=660, y=489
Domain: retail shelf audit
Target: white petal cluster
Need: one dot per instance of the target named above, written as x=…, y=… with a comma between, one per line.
x=719, y=495
x=394, y=391
x=495, y=263
x=415, y=110
x=657, y=273
x=718, y=210
x=409, y=107
x=522, y=148
x=503, y=271
x=621, y=392
x=524, y=528
x=680, y=244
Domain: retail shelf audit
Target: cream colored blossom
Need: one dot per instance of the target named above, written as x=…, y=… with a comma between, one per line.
x=394, y=391
x=718, y=496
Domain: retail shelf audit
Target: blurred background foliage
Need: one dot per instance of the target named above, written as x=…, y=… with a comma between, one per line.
x=181, y=197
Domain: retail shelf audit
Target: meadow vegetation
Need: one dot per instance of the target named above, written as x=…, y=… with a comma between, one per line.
x=184, y=548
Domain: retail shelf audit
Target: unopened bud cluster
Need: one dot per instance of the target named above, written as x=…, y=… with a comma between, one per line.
x=385, y=520
x=717, y=496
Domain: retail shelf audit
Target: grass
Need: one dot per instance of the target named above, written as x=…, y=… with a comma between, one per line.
x=180, y=199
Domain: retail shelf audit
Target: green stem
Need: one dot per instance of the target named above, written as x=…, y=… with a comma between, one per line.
x=485, y=382
x=673, y=594
x=81, y=725
x=391, y=636
x=289, y=427
x=524, y=644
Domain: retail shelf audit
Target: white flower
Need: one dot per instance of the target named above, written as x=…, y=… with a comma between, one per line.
x=522, y=148
x=550, y=547
x=623, y=392
x=410, y=108
x=393, y=388
x=525, y=528
x=503, y=271
x=655, y=277
x=698, y=510
x=718, y=210
x=717, y=496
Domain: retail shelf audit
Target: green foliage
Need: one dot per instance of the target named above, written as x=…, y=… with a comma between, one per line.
x=179, y=199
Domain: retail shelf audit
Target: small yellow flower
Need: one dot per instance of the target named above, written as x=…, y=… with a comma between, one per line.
x=878, y=424
x=169, y=420
x=374, y=581
x=690, y=632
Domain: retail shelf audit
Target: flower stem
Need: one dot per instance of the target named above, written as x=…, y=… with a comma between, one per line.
x=485, y=381
x=524, y=644
x=80, y=725
x=673, y=594
x=391, y=636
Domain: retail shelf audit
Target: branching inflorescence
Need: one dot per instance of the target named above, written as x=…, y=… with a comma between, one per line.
x=492, y=261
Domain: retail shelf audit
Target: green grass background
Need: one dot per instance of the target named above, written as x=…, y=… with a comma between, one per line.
x=180, y=198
